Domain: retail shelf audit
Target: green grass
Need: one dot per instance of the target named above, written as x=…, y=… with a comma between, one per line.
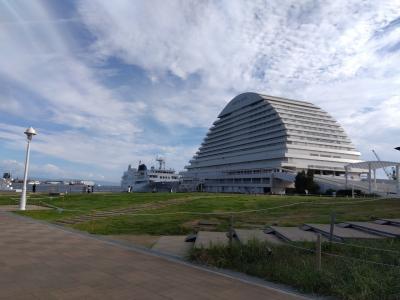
x=9, y=199
x=344, y=278
x=82, y=204
x=136, y=225
x=316, y=210
x=287, y=216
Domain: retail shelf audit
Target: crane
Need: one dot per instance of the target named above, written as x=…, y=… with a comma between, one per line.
x=383, y=167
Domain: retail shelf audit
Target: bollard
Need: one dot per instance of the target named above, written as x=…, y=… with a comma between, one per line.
x=318, y=252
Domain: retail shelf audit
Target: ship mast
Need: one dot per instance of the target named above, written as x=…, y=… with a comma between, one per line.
x=161, y=163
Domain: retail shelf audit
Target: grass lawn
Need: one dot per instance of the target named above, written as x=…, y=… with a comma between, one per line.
x=304, y=209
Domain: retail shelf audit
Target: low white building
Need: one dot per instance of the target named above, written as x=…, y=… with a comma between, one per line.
x=259, y=143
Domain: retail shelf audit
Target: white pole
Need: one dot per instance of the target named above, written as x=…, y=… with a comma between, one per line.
x=369, y=179
x=22, y=203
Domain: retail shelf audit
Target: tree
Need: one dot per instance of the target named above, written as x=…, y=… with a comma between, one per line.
x=300, y=182
x=311, y=186
x=305, y=182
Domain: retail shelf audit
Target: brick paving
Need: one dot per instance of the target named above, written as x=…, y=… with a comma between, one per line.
x=42, y=261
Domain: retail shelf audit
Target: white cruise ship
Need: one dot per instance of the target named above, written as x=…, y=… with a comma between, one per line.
x=6, y=182
x=154, y=179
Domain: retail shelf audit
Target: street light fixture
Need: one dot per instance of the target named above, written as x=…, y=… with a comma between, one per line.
x=30, y=132
x=397, y=148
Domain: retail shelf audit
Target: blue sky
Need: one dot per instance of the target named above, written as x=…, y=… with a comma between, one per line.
x=108, y=83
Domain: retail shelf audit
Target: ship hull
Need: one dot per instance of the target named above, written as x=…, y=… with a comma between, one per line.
x=148, y=187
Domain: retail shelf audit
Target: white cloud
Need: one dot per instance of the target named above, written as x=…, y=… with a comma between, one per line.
x=339, y=54
x=230, y=41
x=10, y=106
x=17, y=169
x=330, y=53
x=68, y=88
x=45, y=171
x=61, y=89
x=13, y=166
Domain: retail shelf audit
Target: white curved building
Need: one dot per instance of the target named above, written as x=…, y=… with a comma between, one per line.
x=259, y=142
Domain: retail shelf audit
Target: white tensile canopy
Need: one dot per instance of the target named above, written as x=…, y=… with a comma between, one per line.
x=371, y=167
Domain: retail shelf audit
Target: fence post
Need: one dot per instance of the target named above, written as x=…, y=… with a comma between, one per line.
x=333, y=219
x=318, y=252
x=230, y=230
x=92, y=222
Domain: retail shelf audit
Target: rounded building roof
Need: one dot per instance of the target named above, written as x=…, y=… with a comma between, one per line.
x=240, y=101
x=249, y=98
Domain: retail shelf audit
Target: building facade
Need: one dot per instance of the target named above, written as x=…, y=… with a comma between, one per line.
x=258, y=144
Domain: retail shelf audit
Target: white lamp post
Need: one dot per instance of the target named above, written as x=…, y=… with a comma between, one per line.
x=30, y=132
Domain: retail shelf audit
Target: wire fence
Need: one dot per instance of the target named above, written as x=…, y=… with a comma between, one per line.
x=313, y=251
x=347, y=244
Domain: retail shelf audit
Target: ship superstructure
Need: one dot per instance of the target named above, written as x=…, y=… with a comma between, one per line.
x=6, y=182
x=154, y=179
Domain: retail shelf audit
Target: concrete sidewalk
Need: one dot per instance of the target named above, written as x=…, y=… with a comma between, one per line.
x=42, y=261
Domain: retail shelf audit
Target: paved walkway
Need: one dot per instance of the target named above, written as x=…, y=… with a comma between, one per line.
x=42, y=261
x=175, y=245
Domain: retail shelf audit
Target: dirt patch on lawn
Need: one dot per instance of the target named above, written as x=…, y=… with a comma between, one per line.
x=145, y=240
x=201, y=224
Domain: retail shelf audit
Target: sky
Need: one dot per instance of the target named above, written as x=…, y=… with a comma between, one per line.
x=109, y=83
